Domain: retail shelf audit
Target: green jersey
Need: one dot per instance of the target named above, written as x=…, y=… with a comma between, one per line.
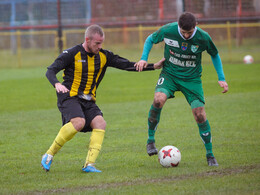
x=183, y=56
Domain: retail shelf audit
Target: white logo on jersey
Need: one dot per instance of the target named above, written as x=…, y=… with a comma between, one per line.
x=82, y=61
x=172, y=43
x=65, y=51
x=194, y=48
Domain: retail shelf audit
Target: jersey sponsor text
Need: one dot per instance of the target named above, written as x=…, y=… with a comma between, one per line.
x=178, y=62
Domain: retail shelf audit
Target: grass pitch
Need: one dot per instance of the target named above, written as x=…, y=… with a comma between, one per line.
x=30, y=120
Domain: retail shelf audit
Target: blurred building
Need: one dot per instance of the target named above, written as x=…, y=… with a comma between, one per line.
x=17, y=13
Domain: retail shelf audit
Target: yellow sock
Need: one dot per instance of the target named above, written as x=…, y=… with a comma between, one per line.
x=65, y=134
x=96, y=140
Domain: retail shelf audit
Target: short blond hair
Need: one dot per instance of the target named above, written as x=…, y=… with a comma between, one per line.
x=93, y=29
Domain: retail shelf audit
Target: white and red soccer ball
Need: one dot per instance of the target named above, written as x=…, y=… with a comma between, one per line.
x=169, y=156
x=248, y=59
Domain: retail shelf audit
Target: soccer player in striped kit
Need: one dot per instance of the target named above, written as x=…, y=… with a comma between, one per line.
x=84, y=67
x=184, y=44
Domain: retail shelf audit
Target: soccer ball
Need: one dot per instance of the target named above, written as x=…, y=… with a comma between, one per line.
x=169, y=156
x=248, y=59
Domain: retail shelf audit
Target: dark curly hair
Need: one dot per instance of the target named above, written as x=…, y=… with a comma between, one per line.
x=187, y=21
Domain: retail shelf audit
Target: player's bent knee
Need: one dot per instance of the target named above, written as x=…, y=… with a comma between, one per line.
x=159, y=99
x=199, y=114
x=78, y=123
x=98, y=123
x=103, y=125
x=200, y=118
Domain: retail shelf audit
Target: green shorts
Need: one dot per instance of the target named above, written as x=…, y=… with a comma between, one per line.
x=191, y=88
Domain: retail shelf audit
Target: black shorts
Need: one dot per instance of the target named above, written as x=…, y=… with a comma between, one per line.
x=71, y=107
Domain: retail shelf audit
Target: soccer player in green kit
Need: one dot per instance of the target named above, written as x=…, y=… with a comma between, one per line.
x=184, y=44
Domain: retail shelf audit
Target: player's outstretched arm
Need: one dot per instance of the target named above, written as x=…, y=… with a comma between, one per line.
x=224, y=85
x=142, y=64
x=148, y=44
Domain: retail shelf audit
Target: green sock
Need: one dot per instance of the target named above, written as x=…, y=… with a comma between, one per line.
x=204, y=130
x=153, y=120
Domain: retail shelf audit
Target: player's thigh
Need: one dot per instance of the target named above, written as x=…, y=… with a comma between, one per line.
x=192, y=90
x=166, y=85
x=91, y=111
x=69, y=107
x=78, y=123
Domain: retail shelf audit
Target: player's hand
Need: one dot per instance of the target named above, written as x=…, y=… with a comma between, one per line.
x=224, y=85
x=159, y=64
x=140, y=65
x=61, y=88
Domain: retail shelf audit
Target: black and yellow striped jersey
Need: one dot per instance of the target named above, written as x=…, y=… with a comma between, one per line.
x=84, y=71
